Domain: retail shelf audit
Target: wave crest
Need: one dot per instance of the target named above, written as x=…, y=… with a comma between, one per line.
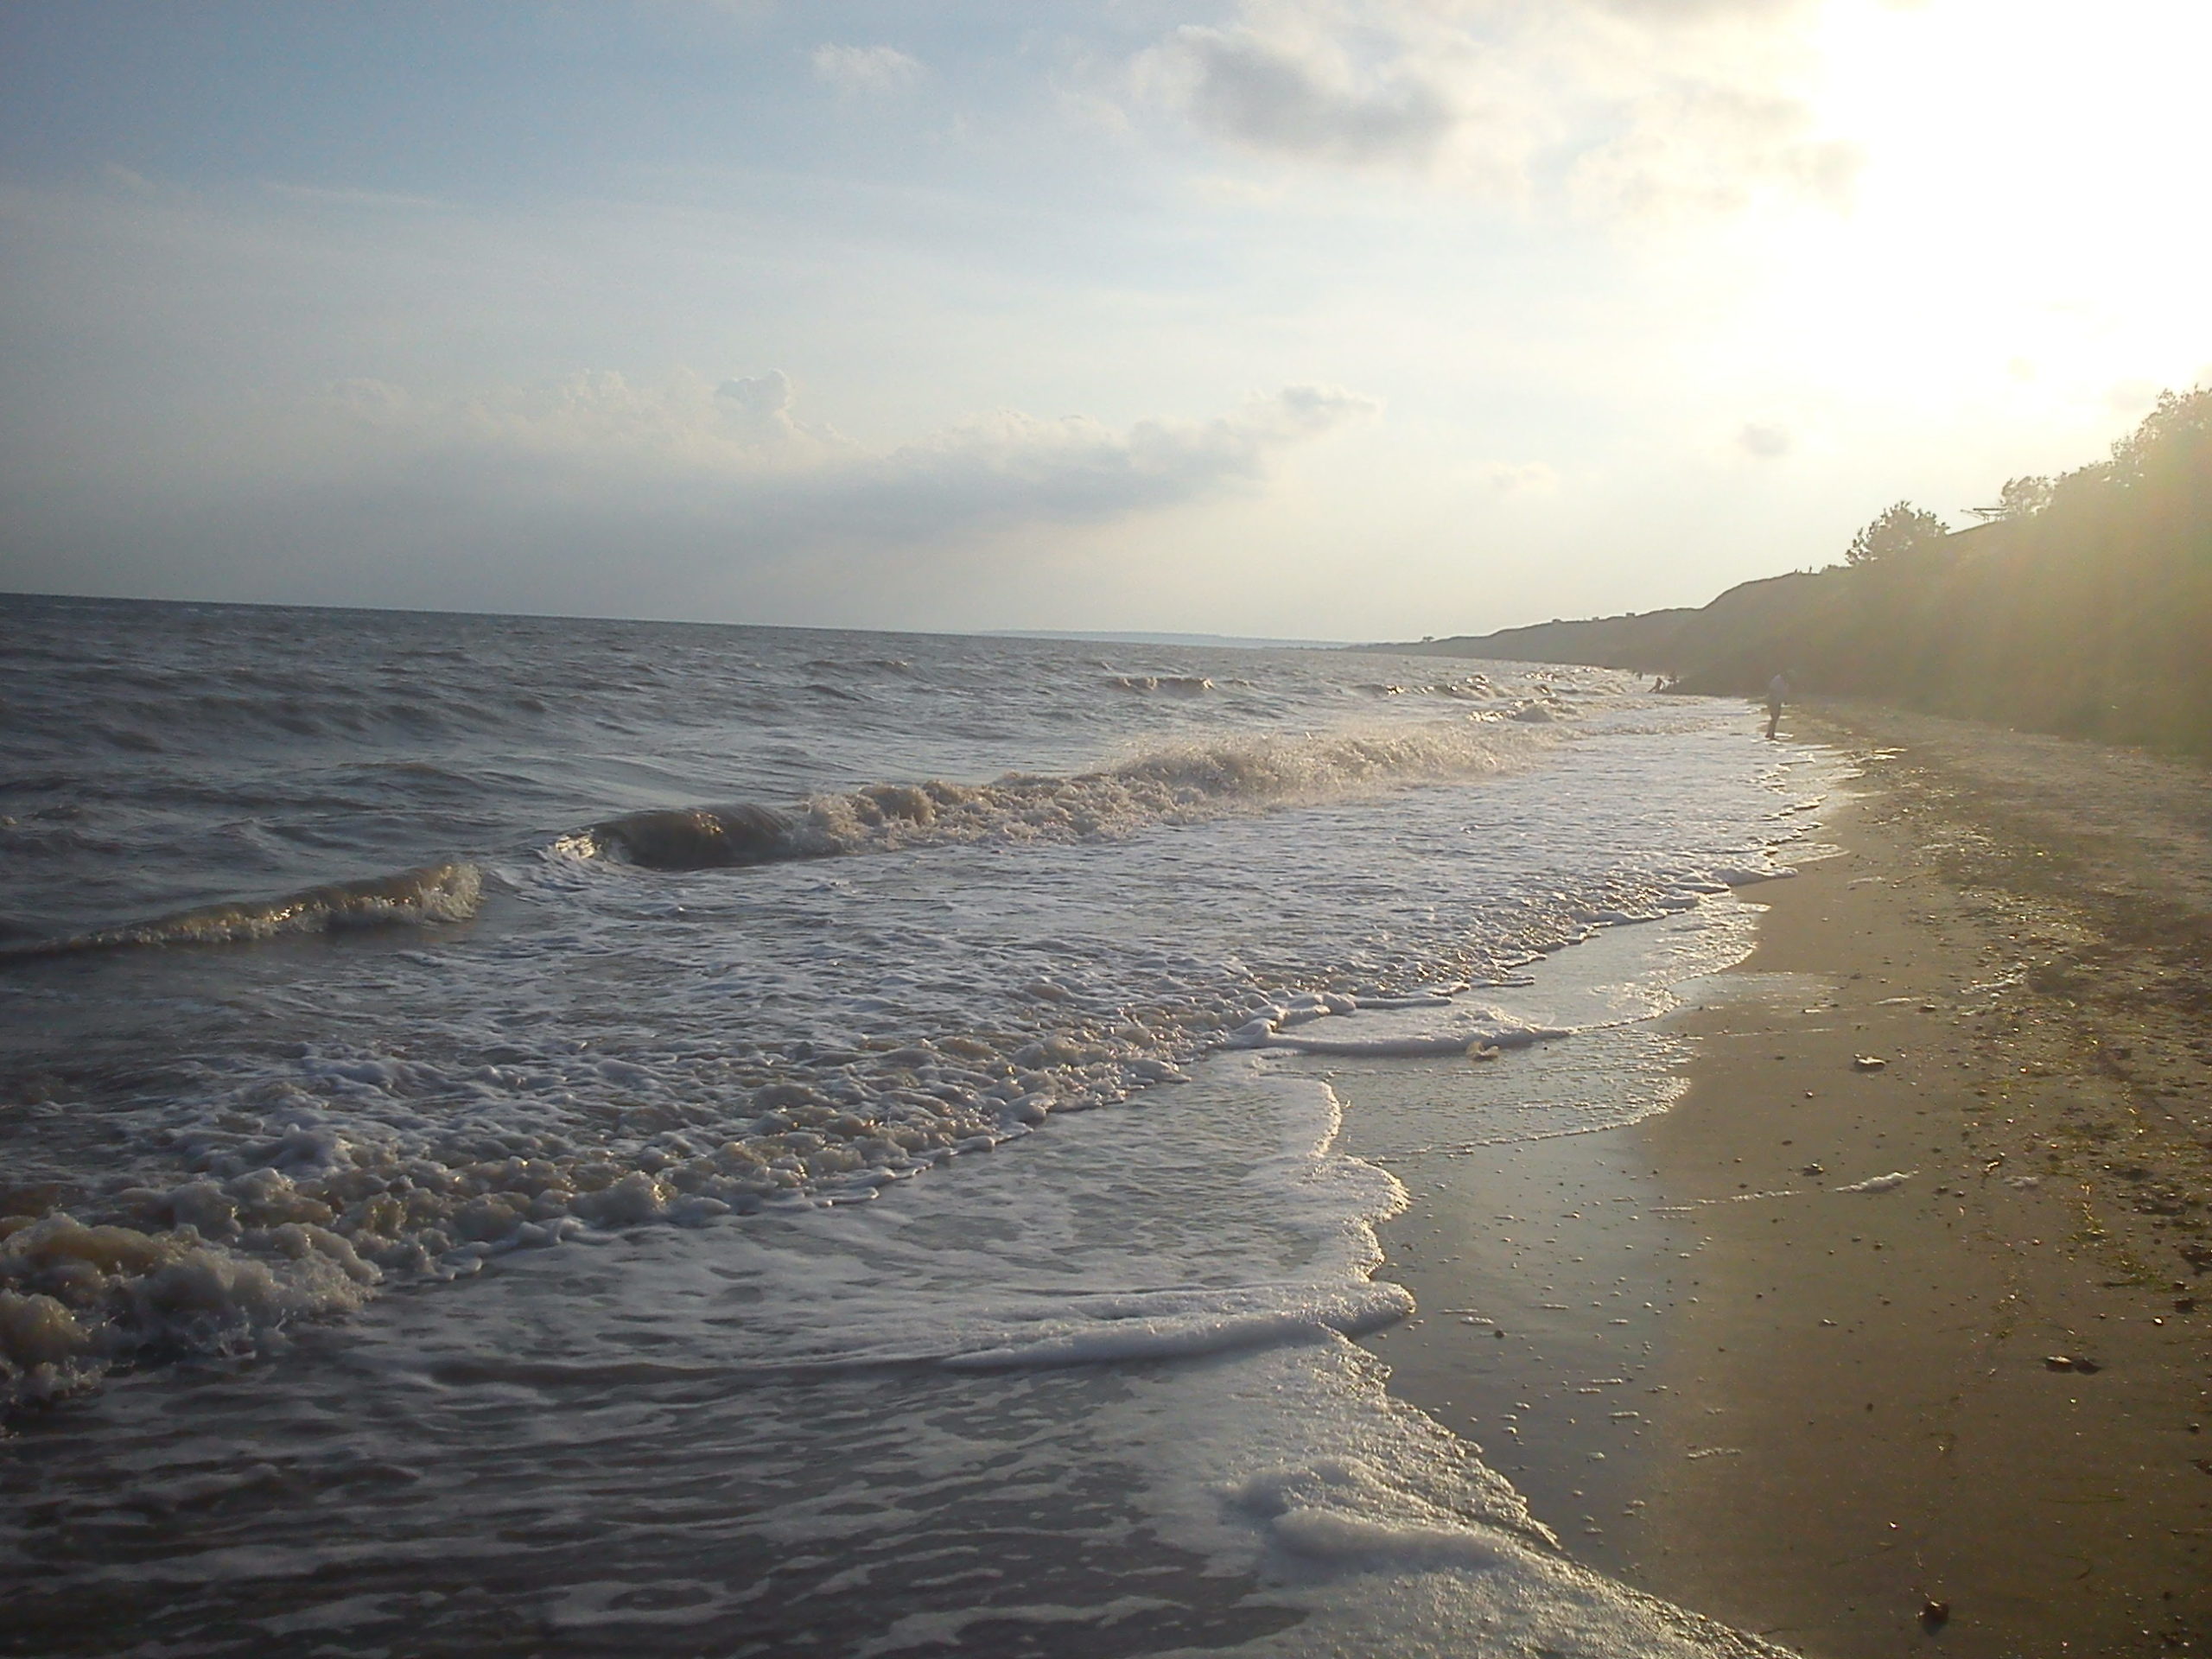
x=430, y=893
x=700, y=838
x=1185, y=784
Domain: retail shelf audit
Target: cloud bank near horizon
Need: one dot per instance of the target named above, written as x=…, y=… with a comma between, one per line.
x=654, y=497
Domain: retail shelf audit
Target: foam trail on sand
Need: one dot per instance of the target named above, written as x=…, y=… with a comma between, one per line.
x=1889, y=1182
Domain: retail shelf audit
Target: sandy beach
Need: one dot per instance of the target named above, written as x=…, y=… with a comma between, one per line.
x=1893, y=1334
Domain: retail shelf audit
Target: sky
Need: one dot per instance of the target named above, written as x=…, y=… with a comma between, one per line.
x=1332, y=319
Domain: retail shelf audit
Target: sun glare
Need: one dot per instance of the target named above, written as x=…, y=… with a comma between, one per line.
x=2028, y=213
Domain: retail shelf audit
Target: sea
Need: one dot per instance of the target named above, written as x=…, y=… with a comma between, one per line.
x=527, y=1135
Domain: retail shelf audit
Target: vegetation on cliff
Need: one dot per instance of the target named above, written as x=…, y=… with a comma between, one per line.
x=2081, y=604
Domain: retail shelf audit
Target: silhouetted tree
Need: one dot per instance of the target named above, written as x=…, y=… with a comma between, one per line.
x=2084, y=607
x=2021, y=497
x=2180, y=425
x=1900, y=531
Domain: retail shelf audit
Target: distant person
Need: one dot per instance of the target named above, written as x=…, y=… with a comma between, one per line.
x=1778, y=692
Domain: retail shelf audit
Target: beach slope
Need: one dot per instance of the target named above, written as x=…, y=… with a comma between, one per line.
x=1920, y=1252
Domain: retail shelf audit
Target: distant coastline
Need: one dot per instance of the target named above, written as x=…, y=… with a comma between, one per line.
x=2080, y=607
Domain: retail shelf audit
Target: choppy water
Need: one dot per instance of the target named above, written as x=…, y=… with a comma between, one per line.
x=444, y=1056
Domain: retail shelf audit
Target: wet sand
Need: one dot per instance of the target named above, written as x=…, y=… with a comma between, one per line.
x=1840, y=1418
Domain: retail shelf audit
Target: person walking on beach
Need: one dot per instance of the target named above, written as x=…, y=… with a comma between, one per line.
x=1778, y=689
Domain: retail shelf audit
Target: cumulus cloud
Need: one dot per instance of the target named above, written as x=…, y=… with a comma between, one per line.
x=760, y=406
x=1626, y=106
x=859, y=69
x=1304, y=98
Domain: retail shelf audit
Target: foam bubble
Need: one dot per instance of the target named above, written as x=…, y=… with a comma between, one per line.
x=77, y=1300
x=1387, y=1531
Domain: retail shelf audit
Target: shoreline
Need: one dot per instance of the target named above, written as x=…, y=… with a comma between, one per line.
x=1830, y=1417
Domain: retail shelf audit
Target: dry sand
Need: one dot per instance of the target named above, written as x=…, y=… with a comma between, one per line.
x=1838, y=1418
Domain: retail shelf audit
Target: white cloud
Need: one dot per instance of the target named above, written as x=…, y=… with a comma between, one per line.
x=743, y=436
x=595, y=421
x=1010, y=466
x=1632, y=107
x=760, y=405
x=602, y=495
x=856, y=69
x=1305, y=97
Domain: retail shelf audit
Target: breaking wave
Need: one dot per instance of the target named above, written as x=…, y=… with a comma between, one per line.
x=1186, y=784
x=431, y=893
x=700, y=838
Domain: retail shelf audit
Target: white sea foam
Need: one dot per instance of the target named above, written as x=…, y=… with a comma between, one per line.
x=423, y=1169
x=1109, y=1359
x=1384, y=1529
x=1146, y=880
x=75, y=1301
x=1889, y=1182
x=1151, y=1303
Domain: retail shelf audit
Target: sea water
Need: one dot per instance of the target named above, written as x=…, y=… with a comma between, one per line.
x=530, y=1136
